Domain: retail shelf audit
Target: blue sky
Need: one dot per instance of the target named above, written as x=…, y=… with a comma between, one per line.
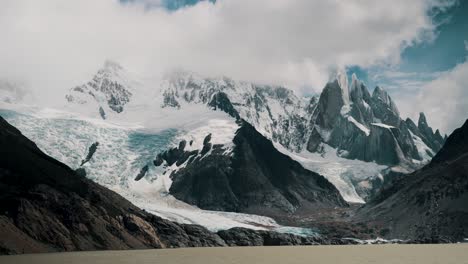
x=423, y=62
x=169, y=4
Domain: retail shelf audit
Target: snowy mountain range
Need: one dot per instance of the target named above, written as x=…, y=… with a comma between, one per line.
x=345, y=119
x=349, y=136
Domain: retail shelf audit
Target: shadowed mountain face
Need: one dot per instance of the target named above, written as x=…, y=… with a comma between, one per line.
x=45, y=206
x=430, y=204
x=254, y=177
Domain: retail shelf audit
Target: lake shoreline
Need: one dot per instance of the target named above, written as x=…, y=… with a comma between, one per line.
x=349, y=254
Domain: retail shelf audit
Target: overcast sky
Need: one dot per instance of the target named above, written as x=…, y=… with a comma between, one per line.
x=53, y=45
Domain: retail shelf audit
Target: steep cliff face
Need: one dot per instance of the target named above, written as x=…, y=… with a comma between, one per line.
x=331, y=102
x=430, y=204
x=252, y=176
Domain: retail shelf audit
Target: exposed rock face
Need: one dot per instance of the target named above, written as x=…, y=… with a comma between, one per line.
x=430, y=204
x=384, y=108
x=221, y=101
x=254, y=177
x=370, y=147
x=361, y=98
x=366, y=127
x=330, y=105
x=142, y=173
x=91, y=151
x=108, y=88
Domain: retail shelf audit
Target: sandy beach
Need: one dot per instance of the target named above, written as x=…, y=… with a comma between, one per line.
x=382, y=254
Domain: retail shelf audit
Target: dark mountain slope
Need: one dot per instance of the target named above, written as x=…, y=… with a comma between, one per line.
x=45, y=206
x=430, y=204
x=255, y=178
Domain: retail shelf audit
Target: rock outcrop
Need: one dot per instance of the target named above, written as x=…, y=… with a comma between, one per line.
x=92, y=149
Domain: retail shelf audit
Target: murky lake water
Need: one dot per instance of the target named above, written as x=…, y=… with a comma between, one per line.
x=381, y=254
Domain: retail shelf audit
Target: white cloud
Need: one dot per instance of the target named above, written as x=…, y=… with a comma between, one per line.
x=55, y=44
x=444, y=100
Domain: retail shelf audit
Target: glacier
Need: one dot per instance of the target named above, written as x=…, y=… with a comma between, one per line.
x=124, y=149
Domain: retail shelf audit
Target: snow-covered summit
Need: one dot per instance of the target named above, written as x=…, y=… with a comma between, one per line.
x=110, y=89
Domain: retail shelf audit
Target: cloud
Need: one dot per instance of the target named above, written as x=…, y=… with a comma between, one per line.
x=55, y=44
x=444, y=100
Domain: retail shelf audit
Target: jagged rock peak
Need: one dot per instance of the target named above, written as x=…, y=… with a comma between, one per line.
x=422, y=121
x=355, y=82
x=358, y=90
x=424, y=126
x=438, y=136
x=383, y=96
x=341, y=78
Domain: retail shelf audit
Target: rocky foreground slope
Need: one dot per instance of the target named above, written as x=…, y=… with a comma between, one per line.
x=430, y=204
